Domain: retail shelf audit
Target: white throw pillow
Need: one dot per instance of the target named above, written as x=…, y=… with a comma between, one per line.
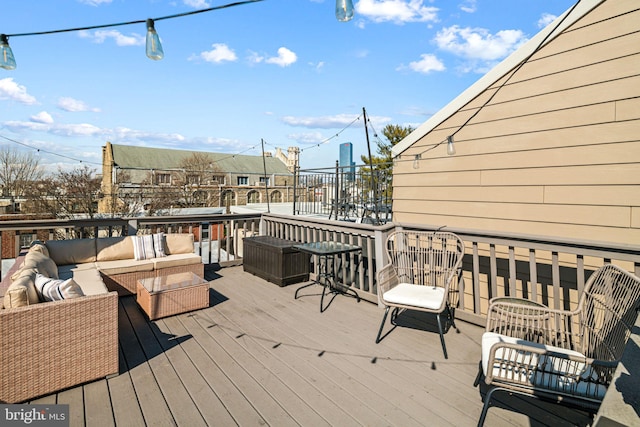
x=56, y=289
x=158, y=245
x=143, y=247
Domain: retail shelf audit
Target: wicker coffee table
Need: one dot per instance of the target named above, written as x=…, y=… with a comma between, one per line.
x=172, y=294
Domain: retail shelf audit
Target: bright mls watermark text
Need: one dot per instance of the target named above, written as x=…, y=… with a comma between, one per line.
x=34, y=415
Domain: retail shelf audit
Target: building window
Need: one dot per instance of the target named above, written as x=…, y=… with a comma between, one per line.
x=193, y=179
x=163, y=178
x=276, y=197
x=228, y=198
x=243, y=180
x=26, y=239
x=253, y=197
x=263, y=180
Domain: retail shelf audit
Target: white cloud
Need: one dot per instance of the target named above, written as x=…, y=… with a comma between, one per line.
x=74, y=105
x=13, y=91
x=197, y=4
x=546, y=19
x=307, y=138
x=397, y=11
x=220, y=53
x=469, y=6
x=255, y=58
x=95, y=2
x=479, y=43
x=285, y=58
x=82, y=129
x=337, y=121
x=323, y=122
x=99, y=36
x=120, y=134
x=42, y=117
x=425, y=65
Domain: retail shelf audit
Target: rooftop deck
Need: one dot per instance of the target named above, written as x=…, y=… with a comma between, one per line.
x=256, y=357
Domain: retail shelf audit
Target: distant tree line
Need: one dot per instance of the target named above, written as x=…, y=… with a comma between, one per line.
x=68, y=193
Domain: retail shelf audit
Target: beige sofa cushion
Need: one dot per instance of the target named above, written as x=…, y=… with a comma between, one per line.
x=73, y=251
x=66, y=271
x=114, y=248
x=38, y=246
x=40, y=263
x=21, y=292
x=124, y=266
x=178, y=243
x=176, y=260
x=86, y=276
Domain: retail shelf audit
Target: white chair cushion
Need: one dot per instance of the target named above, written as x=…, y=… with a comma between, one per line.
x=429, y=297
x=551, y=373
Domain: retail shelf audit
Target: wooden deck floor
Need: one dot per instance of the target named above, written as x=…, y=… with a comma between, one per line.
x=258, y=357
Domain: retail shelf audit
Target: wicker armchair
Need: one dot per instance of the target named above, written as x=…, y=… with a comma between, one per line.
x=423, y=275
x=562, y=356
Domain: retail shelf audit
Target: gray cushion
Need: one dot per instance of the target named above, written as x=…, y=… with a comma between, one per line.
x=72, y=251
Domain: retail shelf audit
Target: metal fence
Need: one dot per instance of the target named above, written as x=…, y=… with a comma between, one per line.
x=357, y=193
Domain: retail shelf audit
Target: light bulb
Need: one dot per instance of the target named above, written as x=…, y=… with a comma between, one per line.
x=154, y=47
x=416, y=161
x=451, y=150
x=7, y=61
x=344, y=10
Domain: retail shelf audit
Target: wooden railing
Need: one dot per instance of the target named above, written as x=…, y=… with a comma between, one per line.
x=495, y=264
x=218, y=237
x=551, y=271
x=370, y=238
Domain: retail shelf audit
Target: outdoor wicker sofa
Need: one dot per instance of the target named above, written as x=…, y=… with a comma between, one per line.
x=53, y=345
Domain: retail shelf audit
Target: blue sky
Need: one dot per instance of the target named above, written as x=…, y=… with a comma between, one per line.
x=285, y=71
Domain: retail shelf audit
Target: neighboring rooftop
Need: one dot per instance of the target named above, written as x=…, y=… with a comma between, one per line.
x=133, y=157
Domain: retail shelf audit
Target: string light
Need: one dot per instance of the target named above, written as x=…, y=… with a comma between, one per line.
x=40, y=151
x=153, y=48
x=333, y=136
x=451, y=150
x=344, y=12
x=7, y=61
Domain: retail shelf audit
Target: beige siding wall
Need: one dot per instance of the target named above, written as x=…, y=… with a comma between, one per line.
x=556, y=152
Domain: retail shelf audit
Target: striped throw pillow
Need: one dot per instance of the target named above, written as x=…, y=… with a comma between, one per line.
x=158, y=245
x=143, y=247
x=49, y=289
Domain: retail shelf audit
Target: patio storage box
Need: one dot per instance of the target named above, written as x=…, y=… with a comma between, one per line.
x=275, y=260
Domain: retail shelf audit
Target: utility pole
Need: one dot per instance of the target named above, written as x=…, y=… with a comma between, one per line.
x=266, y=183
x=374, y=187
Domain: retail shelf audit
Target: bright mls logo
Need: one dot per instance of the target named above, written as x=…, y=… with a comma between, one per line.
x=34, y=415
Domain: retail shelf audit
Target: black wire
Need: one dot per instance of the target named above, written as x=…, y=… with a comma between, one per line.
x=40, y=150
x=119, y=24
x=520, y=65
x=332, y=136
x=515, y=70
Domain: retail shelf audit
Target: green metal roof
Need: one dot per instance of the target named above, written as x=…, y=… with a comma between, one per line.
x=133, y=157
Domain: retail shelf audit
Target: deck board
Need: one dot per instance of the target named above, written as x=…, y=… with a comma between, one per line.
x=257, y=356
x=97, y=409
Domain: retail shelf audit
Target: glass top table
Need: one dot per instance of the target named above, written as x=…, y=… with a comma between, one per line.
x=327, y=253
x=326, y=248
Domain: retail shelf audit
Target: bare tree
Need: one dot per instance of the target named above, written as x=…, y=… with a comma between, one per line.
x=18, y=172
x=197, y=171
x=68, y=193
